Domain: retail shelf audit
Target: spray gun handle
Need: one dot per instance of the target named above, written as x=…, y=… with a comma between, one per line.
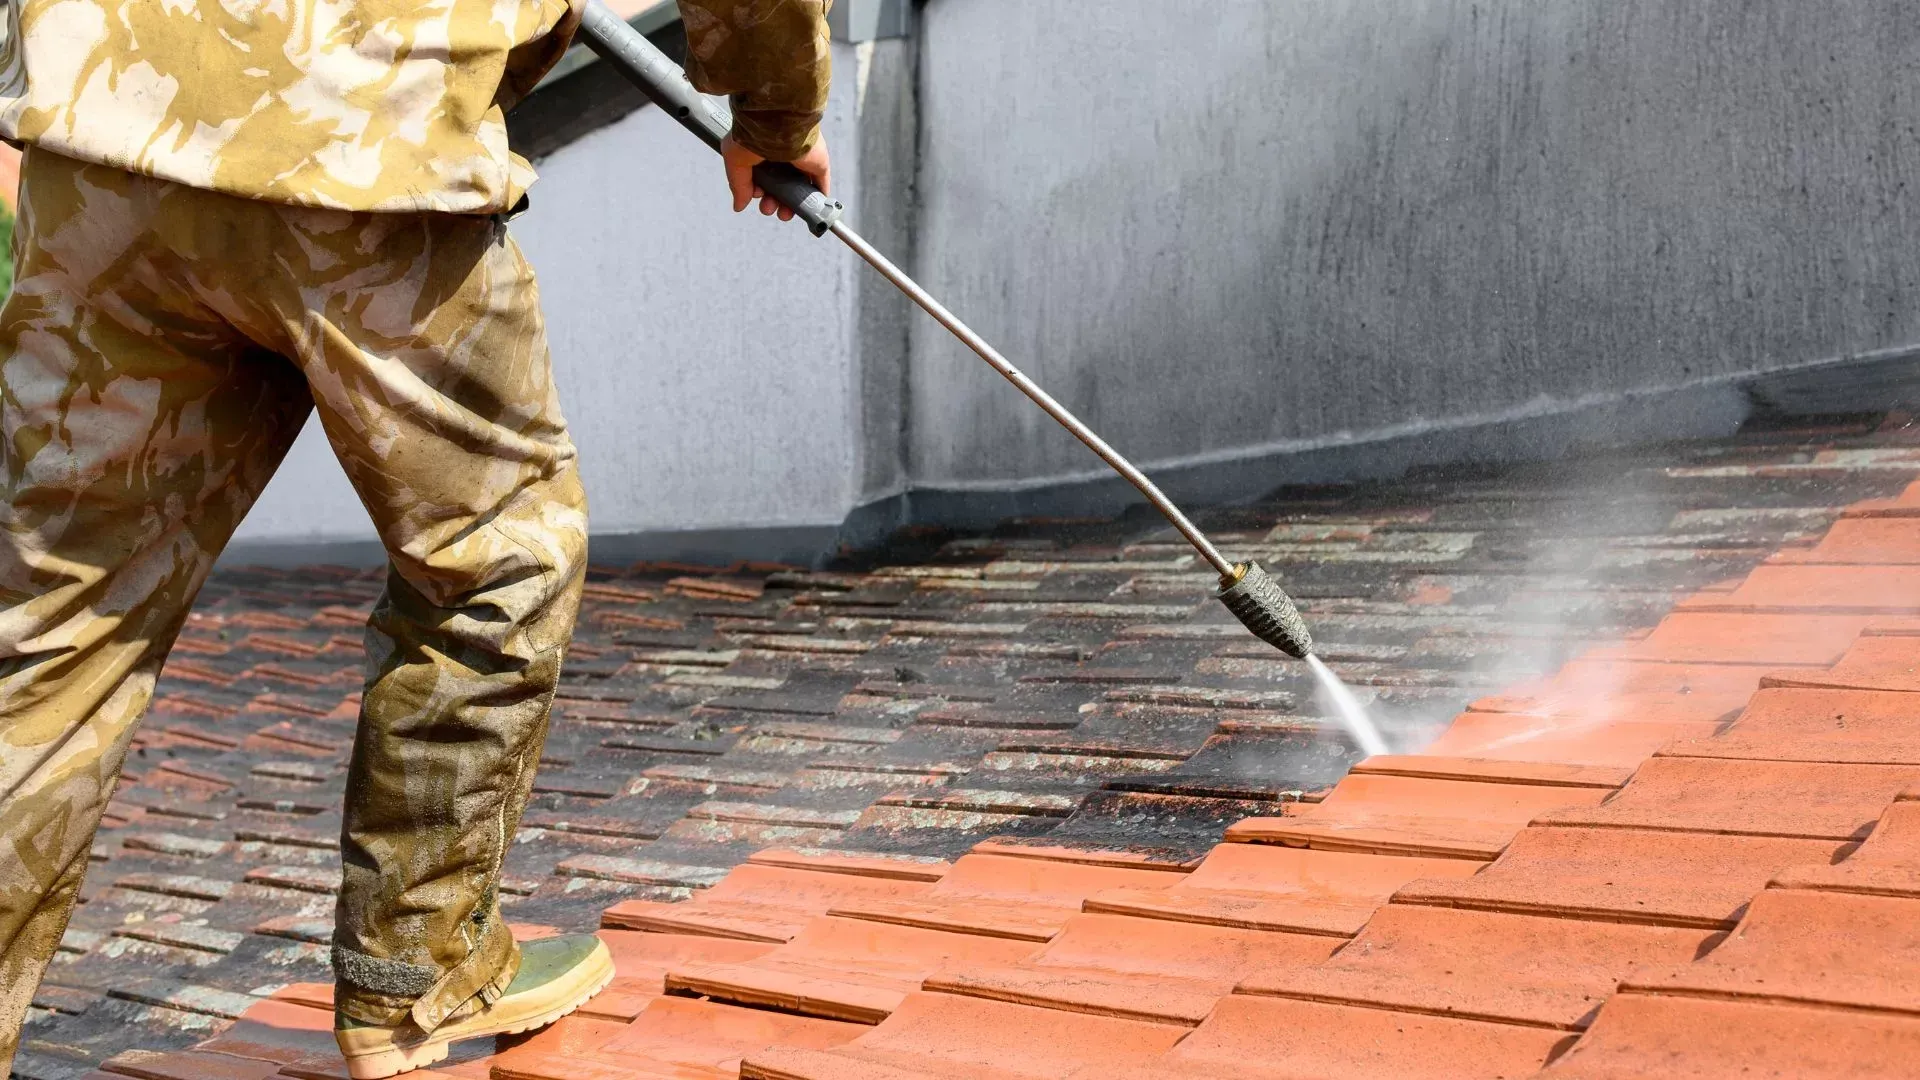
x=792, y=189
x=666, y=85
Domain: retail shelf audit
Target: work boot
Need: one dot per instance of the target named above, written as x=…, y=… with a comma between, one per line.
x=557, y=975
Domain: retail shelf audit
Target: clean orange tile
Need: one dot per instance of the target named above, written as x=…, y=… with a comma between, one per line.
x=1798, y=945
x=962, y=1038
x=1712, y=638
x=1596, y=691
x=1533, y=737
x=1861, y=540
x=1402, y=815
x=641, y=962
x=1675, y=1038
x=1888, y=864
x=1877, y=590
x=756, y=902
x=1137, y=969
x=1480, y=965
x=1790, y=724
x=1003, y=896
x=1546, y=773
x=1261, y=887
x=846, y=969
x=278, y=1031
x=1670, y=878
x=1278, y=1039
x=1872, y=663
x=705, y=1034
x=569, y=1037
x=1814, y=800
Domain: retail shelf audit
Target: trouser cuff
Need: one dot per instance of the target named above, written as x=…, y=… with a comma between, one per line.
x=386, y=992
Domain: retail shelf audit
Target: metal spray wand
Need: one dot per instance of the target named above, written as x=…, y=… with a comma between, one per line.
x=1246, y=589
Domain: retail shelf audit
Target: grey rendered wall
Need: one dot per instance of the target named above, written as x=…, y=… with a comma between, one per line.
x=1226, y=227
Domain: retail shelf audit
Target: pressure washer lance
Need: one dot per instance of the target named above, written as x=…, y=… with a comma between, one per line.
x=1247, y=590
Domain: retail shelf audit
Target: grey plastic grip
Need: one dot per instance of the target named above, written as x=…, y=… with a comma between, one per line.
x=1264, y=608
x=666, y=85
x=792, y=189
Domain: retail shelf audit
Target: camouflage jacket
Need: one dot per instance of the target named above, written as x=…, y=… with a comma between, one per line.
x=380, y=105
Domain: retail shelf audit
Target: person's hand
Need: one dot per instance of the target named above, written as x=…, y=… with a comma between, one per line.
x=740, y=162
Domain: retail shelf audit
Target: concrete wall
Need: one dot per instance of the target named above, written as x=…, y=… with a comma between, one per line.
x=1226, y=227
x=1251, y=241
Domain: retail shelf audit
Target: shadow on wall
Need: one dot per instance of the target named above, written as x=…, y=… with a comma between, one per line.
x=1363, y=218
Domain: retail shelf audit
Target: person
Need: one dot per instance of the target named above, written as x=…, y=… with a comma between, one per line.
x=233, y=215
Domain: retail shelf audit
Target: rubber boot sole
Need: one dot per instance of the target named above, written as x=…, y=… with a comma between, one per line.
x=371, y=1055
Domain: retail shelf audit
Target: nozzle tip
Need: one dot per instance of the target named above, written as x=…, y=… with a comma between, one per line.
x=1265, y=609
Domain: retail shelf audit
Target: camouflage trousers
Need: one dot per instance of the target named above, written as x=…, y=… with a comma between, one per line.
x=161, y=349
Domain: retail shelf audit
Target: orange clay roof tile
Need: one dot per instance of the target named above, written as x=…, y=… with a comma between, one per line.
x=1802, y=945
x=1811, y=800
x=1852, y=726
x=1860, y=540
x=1263, y=1038
x=1549, y=972
x=964, y=1038
x=758, y=902
x=1404, y=815
x=1131, y=968
x=1837, y=590
x=1878, y=662
x=1625, y=875
x=675, y=1039
x=1677, y=1038
x=1004, y=896
x=1298, y=890
x=847, y=969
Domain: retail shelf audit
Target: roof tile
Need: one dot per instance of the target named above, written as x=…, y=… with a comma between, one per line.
x=1627, y=875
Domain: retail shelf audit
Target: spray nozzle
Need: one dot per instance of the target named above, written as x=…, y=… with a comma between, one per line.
x=1264, y=608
